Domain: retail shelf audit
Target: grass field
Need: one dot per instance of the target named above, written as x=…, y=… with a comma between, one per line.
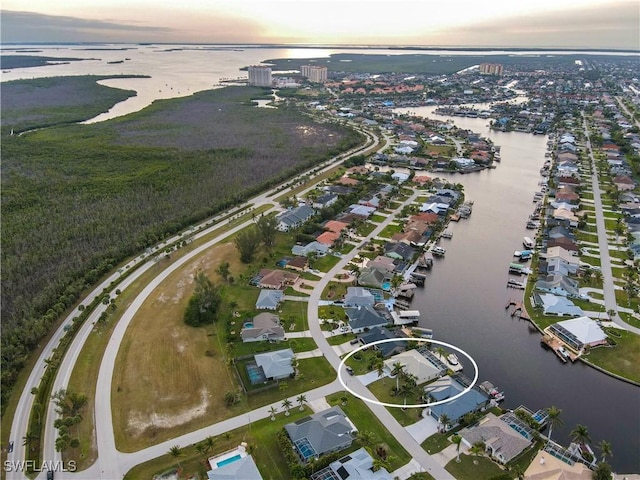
x=381, y=389
x=473, y=468
x=623, y=359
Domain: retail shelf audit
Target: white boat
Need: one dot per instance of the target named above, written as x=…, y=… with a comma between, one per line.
x=515, y=284
x=447, y=234
x=563, y=351
x=453, y=359
x=528, y=243
x=438, y=251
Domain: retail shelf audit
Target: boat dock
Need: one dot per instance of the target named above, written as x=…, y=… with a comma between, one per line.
x=517, y=309
x=558, y=348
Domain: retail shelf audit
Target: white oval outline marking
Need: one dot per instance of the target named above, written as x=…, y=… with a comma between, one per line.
x=395, y=405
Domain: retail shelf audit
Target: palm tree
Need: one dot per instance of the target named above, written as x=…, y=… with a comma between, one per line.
x=272, y=411
x=477, y=448
x=379, y=366
x=554, y=418
x=286, y=404
x=209, y=442
x=301, y=399
x=201, y=448
x=29, y=439
x=444, y=420
x=397, y=370
x=406, y=390
x=580, y=434
x=605, y=448
x=457, y=440
x=365, y=437
x=176, y=453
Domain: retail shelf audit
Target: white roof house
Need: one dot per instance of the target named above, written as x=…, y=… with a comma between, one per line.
x=414, y=363
x=276, y=365
x=579, y=333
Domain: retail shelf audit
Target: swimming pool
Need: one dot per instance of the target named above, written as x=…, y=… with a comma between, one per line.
x=229, y=460
x=248, y=324
x=256, y=375
x=386, y=286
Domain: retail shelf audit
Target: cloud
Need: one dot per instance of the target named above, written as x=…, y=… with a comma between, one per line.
x=615, y=25
x=18, y=27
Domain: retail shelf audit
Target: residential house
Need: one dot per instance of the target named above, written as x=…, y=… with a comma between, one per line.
x=387, y=349
x=325, y=201
x=264, y=326
x=269, y=299
x=276, y=365
x=409, y=238
x=361, y=211
x=399, y=251
x=434, y=207
x=323, y=432
x=446, y=387
x=336, y=226
x=415, y=364
x=546, y=466
x=276, y=279
x=327, y=238
x=501, y=441
x=357, y=465
x=386, y=263
x=579, y=333
x=243, y=468
x=358, y=297
x=365, y=318
x=623, y=182
x=558, y=285
x=374, y=276
x=558, y=265
x=298, y=263
x=566, y=215
x=372, y=201
x=314, y=247
x=556, y=305
x=294, y=218
x=562, y=253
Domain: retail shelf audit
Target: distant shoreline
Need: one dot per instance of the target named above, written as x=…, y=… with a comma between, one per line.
x=344, y=47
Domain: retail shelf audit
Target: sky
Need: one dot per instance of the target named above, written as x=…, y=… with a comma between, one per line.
x=463, y=23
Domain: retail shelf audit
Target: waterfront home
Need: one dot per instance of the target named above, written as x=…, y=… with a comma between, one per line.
x=560, y=232
x=409, y=238
x=276, y=365
x=578, y=333
x=415, y=364
x=433, y=207
x=357, y=465
x=502, y=442
x=567, y=194
x=276, y=279
x=427, y=217
x=269, y=299
x=548, y=466
x=314, y=247
x=358, y=297
x=446, y=387
x=365, y=318
x=294, y=218
x=561, y=253
x=323, y=432
x=386, y=263
x=565, y=215
x=264, y=326
x=399, y=251
x=382, y=333
x=559, y=265
x=374, y=276
x=558, y=285
x=556, y=305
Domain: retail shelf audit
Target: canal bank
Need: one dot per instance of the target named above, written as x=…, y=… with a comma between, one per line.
x=464, y=296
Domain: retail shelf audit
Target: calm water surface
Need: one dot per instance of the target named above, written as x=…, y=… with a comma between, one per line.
x=465, y=295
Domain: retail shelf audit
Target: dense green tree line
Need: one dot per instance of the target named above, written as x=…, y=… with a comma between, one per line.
x=78, y=199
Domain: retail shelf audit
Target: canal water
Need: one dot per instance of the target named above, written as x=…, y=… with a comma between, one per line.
x=464, y=300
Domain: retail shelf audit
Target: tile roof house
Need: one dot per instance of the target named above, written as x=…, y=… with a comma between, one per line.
x=298, y=263
x=335, y=226
x=364, y=318
x=446, y=387
x=545, y=466
x=381, y=333
x=358, y=297
x=276, y=279
x=357, y=465
x=323, y=432
x=269, y=299
x=558, y=285
x=313, y=247
x=294, y=218
x=579, y=332
x=556, y=305
x=415, y=364
x=264, y=326
x=399, y=251
x=501, y=441
x=374, y=276
x=327, y=238
x=276, y=365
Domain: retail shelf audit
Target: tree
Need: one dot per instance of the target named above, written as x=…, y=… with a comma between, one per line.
x=379, y=366
x=605, y=449
x=247, y=242
x=231, y=398
x=223, y=270
x=204, y=303
x=286, y=404
x=201, y=448
x=457, y=440
x=209, y=443
x=406, y=389
x=268, y=227
x=602, y=472
x=444, y=420
x=176, y=453
x=29, y=439
x=554, y=418
x=365, y=438
x=301, y=399
x=397, y=370
x=272, y=411
x=477, y=448
x=580, y=434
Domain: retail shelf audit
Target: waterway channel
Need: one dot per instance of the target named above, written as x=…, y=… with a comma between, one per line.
x=464, y=299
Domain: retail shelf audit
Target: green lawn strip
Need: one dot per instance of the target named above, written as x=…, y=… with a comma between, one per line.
x=623, y=300
x=587, y=237
x=326, y=263
x=473, y=468
x=333, y=312
x=587, y=305
x=365, y=420
x=293, y=313
x=390, y=230
x=630, y=319
x=260, y=437
x=296, y=344
x=365, y=229
x=377, y=218
x=620, y=254
x=421, y=476
x=334, y=291
x=363, y=361
x=381, y=389
x=623, y=359
x=295, y=293
x=595, y=261
x=340, y=339
x=436, y=442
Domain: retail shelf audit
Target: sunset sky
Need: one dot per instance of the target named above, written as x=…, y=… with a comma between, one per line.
x=482, y=23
